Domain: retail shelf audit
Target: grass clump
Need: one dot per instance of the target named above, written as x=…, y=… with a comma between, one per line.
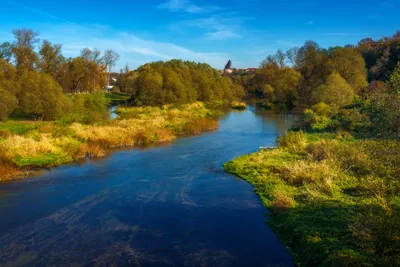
x=238, y=105
x=295, y=141
x=333, y=199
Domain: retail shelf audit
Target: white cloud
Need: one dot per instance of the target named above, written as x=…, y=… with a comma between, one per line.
x=216, y=27
x=186, y=6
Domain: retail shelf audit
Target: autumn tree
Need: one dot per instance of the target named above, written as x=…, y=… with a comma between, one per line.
x=350, y=65
x=110, y=58
x=291, y=55
x=51, y=59
x=8, y=102
x=6, y=51
x=8, y=89
x=394, y=81
x=23, y=49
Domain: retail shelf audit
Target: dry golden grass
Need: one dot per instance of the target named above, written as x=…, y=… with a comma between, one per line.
x=281, y=200
x=25, y=146
x=49, y=144
x=8, y=172
x=303, y=172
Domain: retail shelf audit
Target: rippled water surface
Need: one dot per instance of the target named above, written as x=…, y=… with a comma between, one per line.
x=165, y=206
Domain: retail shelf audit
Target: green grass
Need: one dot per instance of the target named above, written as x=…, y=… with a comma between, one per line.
x=334, y=201
x=117, y=98
x=43, y=160
x=19, y=127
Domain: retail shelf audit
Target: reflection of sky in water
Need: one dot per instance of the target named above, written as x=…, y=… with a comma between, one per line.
x=171, y=205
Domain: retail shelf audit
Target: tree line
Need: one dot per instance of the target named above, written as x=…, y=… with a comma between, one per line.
x=35, y=79
x=177, y=82
x=359, y=84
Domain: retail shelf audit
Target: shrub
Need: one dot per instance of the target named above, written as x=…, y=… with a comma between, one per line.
x=292, y=140
x=282, y=201
x=238, y=105
x=8, y=103
x=322, y=109
x=303, y=172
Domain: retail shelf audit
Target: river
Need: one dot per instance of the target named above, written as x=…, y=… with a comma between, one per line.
x=170, y=205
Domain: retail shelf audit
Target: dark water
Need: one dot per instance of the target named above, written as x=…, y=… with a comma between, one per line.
x=166, y=206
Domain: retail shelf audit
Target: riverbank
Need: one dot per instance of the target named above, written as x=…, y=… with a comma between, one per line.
x=26, y=145
x=334, y=199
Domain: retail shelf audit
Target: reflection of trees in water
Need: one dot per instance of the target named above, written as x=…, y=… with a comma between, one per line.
x=272, y=120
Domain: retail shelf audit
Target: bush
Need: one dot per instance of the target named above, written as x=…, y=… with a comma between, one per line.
x=292, y=140
x=8, y=103
x=322, y=109
x=238, y=105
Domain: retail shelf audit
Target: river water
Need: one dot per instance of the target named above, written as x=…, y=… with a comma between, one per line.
x=170, y=205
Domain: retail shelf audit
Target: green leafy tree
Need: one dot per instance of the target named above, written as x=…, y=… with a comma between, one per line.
x=51, y=59
x=336, y=92
x=8, y=102
x=23, y=49
x=395, y=80
x=351, y=66
x=41, y=97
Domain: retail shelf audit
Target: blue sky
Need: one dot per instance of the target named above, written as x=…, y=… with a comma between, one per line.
x=244, y=31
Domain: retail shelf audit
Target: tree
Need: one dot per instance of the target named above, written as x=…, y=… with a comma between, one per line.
x=395, y=80
x=92, y=55
x=228, y=65
x=42, y=97
x=280, y=59
x=351, y=66
x=291, y=55
x=8, y=102
x=374, y=88
x=336, y=92
x=50, y=59
x=269, y=61
x=24, y=49
x=110, y=59
x=6, y=51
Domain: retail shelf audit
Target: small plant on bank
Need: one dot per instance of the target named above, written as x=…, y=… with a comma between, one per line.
x=238, y=105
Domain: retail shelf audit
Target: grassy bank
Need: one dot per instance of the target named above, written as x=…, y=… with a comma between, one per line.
x=25, y=145
x=334, y=200
x=117, y=98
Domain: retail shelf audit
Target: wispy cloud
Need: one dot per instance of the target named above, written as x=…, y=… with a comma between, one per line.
x=132, y=48
x=186, y=6
x=344, y=34
x=310, y=22
x=215, y=27
x=38, y=12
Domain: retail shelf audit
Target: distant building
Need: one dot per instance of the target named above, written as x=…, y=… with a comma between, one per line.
x=251, y=70
x=229, y=71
